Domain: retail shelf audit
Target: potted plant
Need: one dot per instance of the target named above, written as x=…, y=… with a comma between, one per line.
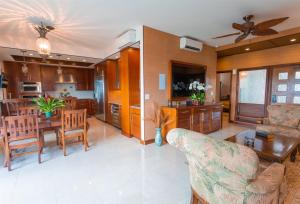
x=198, y=92
x=48, y=104
x=160, y=120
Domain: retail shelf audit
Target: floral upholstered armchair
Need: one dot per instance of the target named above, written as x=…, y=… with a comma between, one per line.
x=227, y=173
x=283, y=120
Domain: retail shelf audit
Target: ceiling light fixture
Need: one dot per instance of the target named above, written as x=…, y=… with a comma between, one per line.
x=84, y=60
x=247, y=49
x=24, y=65
x=42, y=43
x=293, y=39
x=68, y=58
x=30, y=54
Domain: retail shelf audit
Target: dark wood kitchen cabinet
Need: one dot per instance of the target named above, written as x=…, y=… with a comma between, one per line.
x=49, y=77
x=85, y=79
x=33, y=74
x=204, y=119
x=88, y=104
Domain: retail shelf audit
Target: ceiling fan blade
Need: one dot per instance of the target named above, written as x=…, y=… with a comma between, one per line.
x=264, y=32
x=238, y=27
x=50, y=27
x=241, y=37
x=270, y=23
x=223, y=36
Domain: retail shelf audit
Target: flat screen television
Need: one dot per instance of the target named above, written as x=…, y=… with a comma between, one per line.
x=182, y=75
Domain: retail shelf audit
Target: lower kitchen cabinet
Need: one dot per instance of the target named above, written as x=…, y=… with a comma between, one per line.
x=88, y=104
x=135, y=122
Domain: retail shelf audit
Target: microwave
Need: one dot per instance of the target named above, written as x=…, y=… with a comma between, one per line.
x=31, y=87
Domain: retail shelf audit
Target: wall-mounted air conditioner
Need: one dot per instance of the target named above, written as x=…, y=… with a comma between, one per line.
x=126, y=39
x=190, y=44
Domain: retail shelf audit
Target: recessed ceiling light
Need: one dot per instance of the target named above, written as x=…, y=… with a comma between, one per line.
x=68, y=58
x=30, y=54
x=84, y=60
x=247, y=49
x=293, y=39
x=50, y=56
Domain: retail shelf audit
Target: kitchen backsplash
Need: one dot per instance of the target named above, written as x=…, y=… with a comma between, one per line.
x=72, y=90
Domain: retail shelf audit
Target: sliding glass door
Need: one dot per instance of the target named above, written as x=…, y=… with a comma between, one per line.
x=252, y=89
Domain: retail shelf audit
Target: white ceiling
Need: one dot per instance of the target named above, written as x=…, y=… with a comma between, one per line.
x=88, y=27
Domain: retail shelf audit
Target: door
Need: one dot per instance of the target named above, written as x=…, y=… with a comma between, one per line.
x=286, y=85
x=252, y=97
x=224, y=92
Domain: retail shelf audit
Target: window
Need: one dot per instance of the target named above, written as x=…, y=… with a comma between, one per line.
x=297, y=75
x=296, y=100
x=297, y=87
x=282, y=87
x=281, y=99
x=252, y=86
x=283, y=75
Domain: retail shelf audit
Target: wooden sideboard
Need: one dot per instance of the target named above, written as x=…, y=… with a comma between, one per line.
x=204, y=119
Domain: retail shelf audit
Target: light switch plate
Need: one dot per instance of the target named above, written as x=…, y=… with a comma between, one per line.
x=162, y=82
x=147, y=96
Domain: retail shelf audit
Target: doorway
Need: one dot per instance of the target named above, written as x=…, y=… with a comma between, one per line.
x=252, y=96
x=224, y=93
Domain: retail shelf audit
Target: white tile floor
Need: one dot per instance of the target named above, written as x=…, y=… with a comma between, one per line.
x=114, y=170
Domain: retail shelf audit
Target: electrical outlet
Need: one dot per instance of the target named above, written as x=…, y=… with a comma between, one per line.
x=147, y=96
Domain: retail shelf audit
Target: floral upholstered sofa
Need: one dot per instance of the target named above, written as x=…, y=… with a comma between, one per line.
x=282, y=120
x=227, y=173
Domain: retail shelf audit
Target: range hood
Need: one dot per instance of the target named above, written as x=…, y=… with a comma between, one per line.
x=66, y=79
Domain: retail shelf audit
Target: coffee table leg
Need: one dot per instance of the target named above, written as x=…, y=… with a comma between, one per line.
x=293, y=155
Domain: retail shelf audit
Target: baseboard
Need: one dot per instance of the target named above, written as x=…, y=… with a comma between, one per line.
x=126, y=134
x=146, y=142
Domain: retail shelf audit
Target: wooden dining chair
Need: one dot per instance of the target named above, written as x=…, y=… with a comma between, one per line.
x=29, y=110
x=70, y=103
x=21, y=132
x=12, y=105
x=2, y=144
x=74, y=125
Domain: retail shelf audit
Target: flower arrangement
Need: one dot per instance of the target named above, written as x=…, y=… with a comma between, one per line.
x=48, y=104
x=198, y=92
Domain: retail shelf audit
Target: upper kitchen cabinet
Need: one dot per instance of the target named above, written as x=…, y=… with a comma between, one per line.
x=49, y=77
x=33, y=74
x=85, y=79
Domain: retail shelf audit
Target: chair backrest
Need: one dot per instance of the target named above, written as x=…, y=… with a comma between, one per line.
x=216, y=166
x=21, y=127
x=29, y=110
x=284, y=115
x=73, y=119
x=12, y=105
x=70, y=102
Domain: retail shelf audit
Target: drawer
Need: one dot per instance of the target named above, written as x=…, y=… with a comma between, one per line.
x=184, y=113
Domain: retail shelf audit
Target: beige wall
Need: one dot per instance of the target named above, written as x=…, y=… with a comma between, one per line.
x=275, y=56
x=159, y=49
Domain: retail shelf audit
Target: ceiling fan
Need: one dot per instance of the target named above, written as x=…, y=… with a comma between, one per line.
x=249, y=27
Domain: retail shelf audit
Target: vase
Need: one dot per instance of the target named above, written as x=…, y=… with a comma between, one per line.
x=195, y=103
x=48, y=114
x=158, y=137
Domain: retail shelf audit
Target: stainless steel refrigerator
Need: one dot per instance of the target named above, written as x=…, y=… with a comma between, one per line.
x=100, y=96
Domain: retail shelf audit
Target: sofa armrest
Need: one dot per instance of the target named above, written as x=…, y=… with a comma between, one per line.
x=268, y=181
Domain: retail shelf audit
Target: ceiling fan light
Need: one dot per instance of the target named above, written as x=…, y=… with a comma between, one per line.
x=43, y=46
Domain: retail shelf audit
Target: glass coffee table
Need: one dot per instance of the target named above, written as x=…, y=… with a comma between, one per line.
x=276, y=150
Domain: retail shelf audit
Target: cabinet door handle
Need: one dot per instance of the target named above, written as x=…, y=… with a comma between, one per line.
x=184, y=112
